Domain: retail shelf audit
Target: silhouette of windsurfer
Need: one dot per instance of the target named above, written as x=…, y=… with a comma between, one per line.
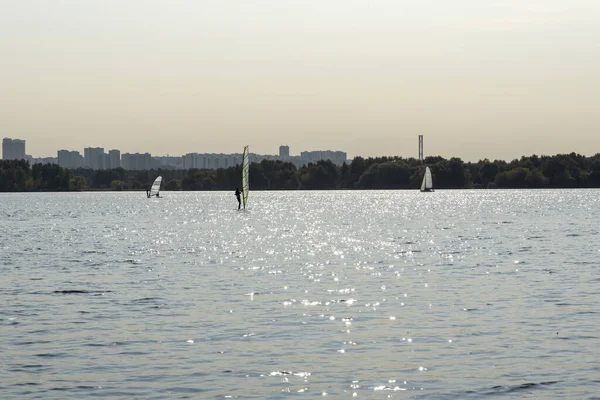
x=237, y=195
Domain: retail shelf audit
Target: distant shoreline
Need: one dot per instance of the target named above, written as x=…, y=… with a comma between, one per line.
x=561, y=171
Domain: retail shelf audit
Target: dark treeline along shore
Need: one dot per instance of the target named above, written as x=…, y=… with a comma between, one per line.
x=558, y=171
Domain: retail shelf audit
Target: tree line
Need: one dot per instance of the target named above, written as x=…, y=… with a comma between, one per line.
x=558, y=171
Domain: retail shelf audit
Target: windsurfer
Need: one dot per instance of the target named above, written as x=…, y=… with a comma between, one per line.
x=237, y=195
x=148, y=193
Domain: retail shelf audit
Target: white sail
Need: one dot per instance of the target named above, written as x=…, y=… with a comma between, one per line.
x=245, y=176
x=155, y=186
x=427, y=184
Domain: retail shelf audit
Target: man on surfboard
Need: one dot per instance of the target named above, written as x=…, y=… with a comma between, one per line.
x=237, y=195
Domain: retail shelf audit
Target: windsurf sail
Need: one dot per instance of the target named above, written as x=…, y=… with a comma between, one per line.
x=155, y=187
x=427, y=184
x=245, y=176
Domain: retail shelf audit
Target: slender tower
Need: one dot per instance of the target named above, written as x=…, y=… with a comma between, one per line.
x=421, y=148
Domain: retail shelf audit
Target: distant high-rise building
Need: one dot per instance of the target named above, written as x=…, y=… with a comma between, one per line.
x=114, y=159
x=136, y=162
x=94, y=157
x=189, y=161
x=167, y=162
x=284, y=151
x=13, y=149
x=63, y=158
x=214, y=161
x=421, y=148
x=70, y=159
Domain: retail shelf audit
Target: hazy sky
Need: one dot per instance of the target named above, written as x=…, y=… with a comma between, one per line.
x=478, y=78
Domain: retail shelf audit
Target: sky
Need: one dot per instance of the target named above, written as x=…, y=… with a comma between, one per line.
x=493, y=79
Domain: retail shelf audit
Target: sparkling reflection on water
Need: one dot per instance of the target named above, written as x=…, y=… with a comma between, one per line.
x=372, y=294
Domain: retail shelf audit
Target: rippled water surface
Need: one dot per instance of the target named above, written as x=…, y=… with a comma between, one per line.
x=369, y=294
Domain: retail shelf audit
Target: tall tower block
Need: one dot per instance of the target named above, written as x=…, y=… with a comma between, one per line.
x=421, y=148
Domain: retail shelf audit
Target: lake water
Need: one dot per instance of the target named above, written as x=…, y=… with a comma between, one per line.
x=368, y=294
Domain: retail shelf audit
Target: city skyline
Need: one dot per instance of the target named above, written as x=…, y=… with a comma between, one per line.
x=97, y=158
x=479, y=80
x=278, y=147
x=411, y=151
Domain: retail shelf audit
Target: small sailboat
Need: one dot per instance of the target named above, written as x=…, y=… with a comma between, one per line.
x=155, y=189
x=245, y=176
x=427, y=184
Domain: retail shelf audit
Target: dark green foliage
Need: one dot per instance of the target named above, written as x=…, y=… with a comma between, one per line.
x=104, y=179
x=50, y=177
x=594, y=174
x=117, y=185
x=16, y=176
x=322, y=175
x=450, y=174
x=521, y=178
x=387, y=175
x=78, y=184
x=484, y=174
x=173, y=184
x=559, y=171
